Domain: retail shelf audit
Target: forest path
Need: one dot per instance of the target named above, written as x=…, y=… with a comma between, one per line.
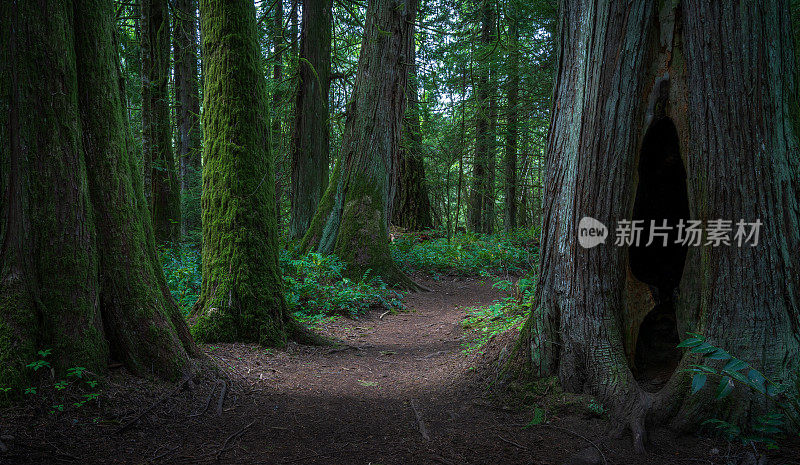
x=360, y=402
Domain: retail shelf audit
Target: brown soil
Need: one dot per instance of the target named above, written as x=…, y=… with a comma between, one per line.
x=372, y=399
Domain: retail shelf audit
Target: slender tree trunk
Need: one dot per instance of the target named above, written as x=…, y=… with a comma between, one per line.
x=242, y=293
x=79, y=272
x=512, y=125
x=612, y=110
x=412, y=205
x=187, y=98
x=165, y=203
x=310, y=148
x=480, y=211
x=353, y=217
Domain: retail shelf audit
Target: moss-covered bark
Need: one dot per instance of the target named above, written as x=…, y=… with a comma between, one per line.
x=741, y=157
x=79, y=271
x=352, y=218
x=242, y=293
x=165, y=201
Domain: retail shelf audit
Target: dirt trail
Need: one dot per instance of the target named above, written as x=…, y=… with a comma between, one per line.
x=398, y=390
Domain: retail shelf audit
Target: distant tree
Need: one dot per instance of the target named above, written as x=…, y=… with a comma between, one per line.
x=242, y=291
x=412, y=205
x=512, y=117
x=165, y=203
x=79, y=273
x=674, y=103
x=480, y=215
x=310, y=147
x=352, y=219
x=187, y=101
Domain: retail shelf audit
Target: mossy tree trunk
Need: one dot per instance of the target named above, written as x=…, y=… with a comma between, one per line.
x=187, y=101
x=311, y=139
x=242, y=292
x=352, y=219
x=165, y=201
x=79, y=273
x=480, y=212
x=741, y=162
x=412, y=205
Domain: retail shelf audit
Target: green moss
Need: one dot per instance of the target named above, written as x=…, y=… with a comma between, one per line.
x=242, y=296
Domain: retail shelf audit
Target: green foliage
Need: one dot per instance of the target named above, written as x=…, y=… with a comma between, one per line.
x=183, y=273
x=510, y=313
x=76, y=392
x=467, y=254
x=315, y=286
x=765, y=428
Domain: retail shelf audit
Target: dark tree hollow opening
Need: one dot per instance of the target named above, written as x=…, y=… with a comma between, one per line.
x=661, y=203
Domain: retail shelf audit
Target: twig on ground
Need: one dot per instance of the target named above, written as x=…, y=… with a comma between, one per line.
x=300, y=459
x=155, y=404
x=577, y=435
x=221, y=398
x=384, y=314
x=507, y=441
x=422, y=430
x=208, y=399
x=231, y=437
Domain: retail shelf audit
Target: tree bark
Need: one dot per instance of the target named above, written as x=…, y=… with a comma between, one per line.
x=165, y=202
x=79, y=273
x=481, y=206
x=741, y=162
x=353, y=217
x=310, y=148
x=512, y=123
x=412, y=205
x=242, y=292
x=187, y=96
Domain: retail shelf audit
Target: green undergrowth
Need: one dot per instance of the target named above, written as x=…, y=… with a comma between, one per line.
x=507, y=314
x=466, y=254
x=314, y=285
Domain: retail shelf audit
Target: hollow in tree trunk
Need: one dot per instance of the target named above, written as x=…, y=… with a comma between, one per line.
x=662, y=131
x=352, y=219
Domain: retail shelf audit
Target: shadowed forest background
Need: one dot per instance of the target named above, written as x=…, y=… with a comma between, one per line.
x=343, y=231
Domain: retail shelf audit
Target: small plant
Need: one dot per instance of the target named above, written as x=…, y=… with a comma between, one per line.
x=766, y=427
x=487, y=322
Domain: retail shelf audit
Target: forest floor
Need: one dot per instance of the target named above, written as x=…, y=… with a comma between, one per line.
x=395, y=389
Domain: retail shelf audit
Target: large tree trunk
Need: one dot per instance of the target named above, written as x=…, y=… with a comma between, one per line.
x=412, y=205
x=352, y=219
x=242, y=293
x=624, y=127
x=187, y=96
x=310, y=146
x=79, y=273
x=165, y=201
x=481, y=204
